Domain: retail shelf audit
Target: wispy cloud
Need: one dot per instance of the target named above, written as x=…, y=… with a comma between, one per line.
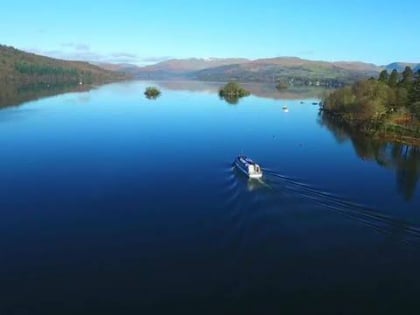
x=155, y=59
x=83, y=52
x=123, y=55
x=69, y=55
x=75, y=46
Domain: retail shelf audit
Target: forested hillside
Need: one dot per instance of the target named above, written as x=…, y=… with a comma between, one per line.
x=389, y=104
x=25, y=69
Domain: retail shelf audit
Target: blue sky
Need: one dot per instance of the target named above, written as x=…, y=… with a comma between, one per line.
x=143, y=32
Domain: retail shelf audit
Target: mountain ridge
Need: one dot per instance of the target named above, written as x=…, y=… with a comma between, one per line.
x=182, y=66
x=400, y=66
x=26, y=68
x=266, y=69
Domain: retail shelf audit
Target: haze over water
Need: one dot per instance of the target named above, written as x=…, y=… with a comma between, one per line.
x=111, y=202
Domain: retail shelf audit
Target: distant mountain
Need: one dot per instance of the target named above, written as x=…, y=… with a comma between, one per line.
x=400, y=66
x=20, y=68
x=184, y=67
x=357, y=66
x=292, y=69
x=295, y=71
x=126, y=68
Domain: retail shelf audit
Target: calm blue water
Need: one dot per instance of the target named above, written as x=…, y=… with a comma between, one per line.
x=111, y=203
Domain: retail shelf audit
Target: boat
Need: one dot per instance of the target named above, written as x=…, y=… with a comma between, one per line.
x=248, y=167
x=285, y=109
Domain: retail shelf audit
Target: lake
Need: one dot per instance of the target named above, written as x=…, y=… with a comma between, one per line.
x=112, y=203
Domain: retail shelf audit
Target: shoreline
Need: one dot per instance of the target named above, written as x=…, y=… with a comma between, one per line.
x=381, y=133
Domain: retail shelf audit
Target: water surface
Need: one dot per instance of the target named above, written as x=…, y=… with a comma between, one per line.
x=113, y=203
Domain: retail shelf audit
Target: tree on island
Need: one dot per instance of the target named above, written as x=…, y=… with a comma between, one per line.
x=232, y=92
x=152, y=92
x=233, y=89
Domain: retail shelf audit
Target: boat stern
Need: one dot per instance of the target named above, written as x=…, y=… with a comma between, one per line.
x=254, y=171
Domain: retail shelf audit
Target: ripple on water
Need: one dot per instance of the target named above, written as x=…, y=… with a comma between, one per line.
x=254, y=207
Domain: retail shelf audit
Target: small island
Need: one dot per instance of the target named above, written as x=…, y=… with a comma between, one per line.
x=233, y=89
x=387, y=107
x=232, y=92
x=282, y=85
x=152, y=92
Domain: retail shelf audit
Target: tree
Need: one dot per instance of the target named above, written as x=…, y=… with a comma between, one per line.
x=233, y=89
x=384, y=76
x=415, y=96
x=152, y=92
x=415, y=109
x=407, y=77
x=379, y=105
x=393, y=78
x=415, y=90
x=401, y=97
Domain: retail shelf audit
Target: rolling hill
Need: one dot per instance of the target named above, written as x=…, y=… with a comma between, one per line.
x=400, y=66
x=126, y=68
x=184, y=67
x=294, y=70
x=23, y=69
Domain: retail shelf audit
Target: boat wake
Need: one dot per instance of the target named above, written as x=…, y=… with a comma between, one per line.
x=252, y=198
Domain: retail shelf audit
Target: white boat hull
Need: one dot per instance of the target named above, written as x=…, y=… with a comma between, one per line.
x=243, y=164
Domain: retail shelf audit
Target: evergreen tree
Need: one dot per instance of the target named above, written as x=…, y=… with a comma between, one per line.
x=407, y=77
x=415, y=96
x=393, y=78
x=415, y=90
x=384, y=76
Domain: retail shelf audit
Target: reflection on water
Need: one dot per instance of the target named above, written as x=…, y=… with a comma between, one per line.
x=252, y=184
x=266, y=90
x=403, y=158
x=117, y=202
x=152, y=97
x=230, y=99
x=13, y=95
